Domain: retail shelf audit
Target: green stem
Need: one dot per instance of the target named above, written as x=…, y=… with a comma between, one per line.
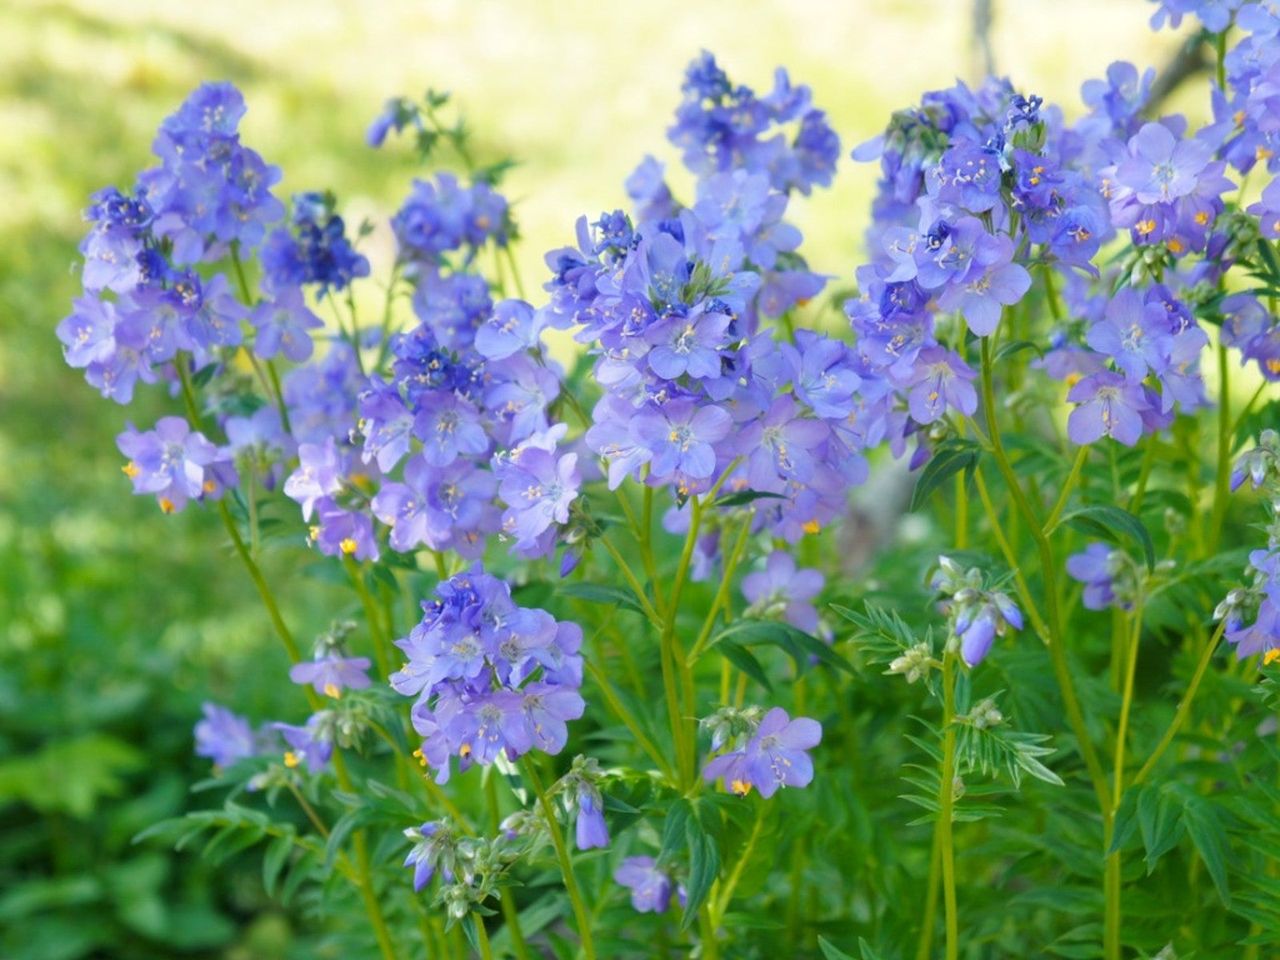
x=925, y=945
x=632, y=581
x=380, y=641
x=627, y=718
x=722, y=902
x=1048, y=570
x=672, y=651
x=1111, y=880
x=1081, y=456
x=510, y=915
x=562, y=855
x=722, y=594
x=1222, y=479
x=946, y=800
x=1184, y=706
x=482, y=937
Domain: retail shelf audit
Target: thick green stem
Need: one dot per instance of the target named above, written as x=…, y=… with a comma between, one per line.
x=1112, y=878
x=562, y=855
x=946, y=801
x=924, y=946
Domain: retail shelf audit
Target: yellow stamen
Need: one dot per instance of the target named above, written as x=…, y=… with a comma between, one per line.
x=811, y=526
x=291, y=759
x=331, y=690
x=166, y=505
x=464, y=751
x=740, y=787
x=1145, y=227
x=209, y=486
x=347, y=545
x=1271, y=656
x=422, y=760
x=1202, y=217
x=1175, y=245
x=130, y=470
x=1273, y=365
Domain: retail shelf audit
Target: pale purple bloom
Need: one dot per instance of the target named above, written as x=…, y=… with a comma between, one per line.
x=680, y=436
x=538, y=488
x=1108, y=405
x=688, y=345
x=1160, y=167
x=1095, y=567
x=319, y=474
x=224, y=737
x=283, y=324
x=512, y=327
x=591, y=831
x=1133, y=333
x=175, y=463
x=310, y=746
x=774, y=756
x=649, y=884
x=781, y=587
x=449, y=427
x=332, y=674
x=938, y=381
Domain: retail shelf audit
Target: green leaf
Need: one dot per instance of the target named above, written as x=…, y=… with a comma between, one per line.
x=1111, y=523
x=743, y=497
x=673, y=830
x=273, y=862
x=1206, y=831
x=798, y=645
x=1159, y=822
x=745, y=660
x=950, y=457
x=1268, y=257
x=704, y=865
x=601, y=593
x=1017, y=346
x=831, y=952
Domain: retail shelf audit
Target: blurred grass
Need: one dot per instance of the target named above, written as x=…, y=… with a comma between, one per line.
x=115, y=621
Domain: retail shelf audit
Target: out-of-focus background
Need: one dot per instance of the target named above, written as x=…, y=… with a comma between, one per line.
x=115, y=622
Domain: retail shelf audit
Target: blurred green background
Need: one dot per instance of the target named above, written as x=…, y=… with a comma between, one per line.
x=115, y=622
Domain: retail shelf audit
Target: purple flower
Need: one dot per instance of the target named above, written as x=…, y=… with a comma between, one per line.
x=224, y=737
x=649, y=884
x=330, y=675
x=1267, y=210
x=449, y=427
x=319, y=474
x=342, y=533
x=687, y=345
x=283, y=324
x=781, y=589
x=591, y=830
x=774, y=756
x=1133, y=333
x=175, y=463
x=538, y=488
x=940, y=379
x=680, y=436
x=1160, y=167
x=310, y=746
x=1108, y=404
x=513, y=326
x=782, y=446
x=1095, y=567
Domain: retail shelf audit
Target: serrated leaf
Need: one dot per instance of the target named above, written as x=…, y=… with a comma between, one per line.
x=1159, y=823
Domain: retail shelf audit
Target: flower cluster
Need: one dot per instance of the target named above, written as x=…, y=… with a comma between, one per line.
x=697, y=394
x=977, y=612
x=491, y=679
x=144, y=302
